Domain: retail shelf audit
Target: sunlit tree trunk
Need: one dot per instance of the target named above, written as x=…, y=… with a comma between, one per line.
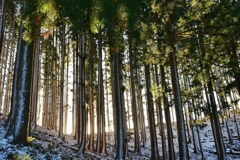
x=141, y=112
x=62, y=94
x=74, y=92
x=46, y=95
x=4, y=71
x=107, y=96
x=66, y=106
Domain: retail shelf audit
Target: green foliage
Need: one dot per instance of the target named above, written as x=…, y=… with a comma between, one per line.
x=22, y=157
x=201, y=123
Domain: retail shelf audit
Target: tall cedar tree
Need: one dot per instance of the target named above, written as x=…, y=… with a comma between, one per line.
x=2, y=19
x=18, y=129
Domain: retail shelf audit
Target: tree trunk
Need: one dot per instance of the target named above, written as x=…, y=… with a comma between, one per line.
x=60, y=132
x=182, y=139
x=218, y=132
x=2, y=21
x=99, y=100
x=74, y=93
x=234, y=116
x=213, y=110
x=35, y=83
x=4, y=70
x=15, y=80
x=167, y=114
x=66, y=106
x=162, y=129
x=81, y=150
x=134, y=104
x=118, y=106
x=151, y=120
x=234, y=64
x=91, y=107
x=10, y=68
x=18, y=129
x=101, y=95
x=140, y=106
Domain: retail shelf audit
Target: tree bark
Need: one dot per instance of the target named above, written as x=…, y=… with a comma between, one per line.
x=182, y=139
x=212, y=105
x=60, y=132
x=18, y=129
x=91, y=107
x=118, y=106
x=151, y=120
x=162, y=128
x=167, y=114
x=2, y=21
x=81, y=150
x=134, y=104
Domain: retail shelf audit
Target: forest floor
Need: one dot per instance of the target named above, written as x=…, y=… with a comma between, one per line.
x=46, y=145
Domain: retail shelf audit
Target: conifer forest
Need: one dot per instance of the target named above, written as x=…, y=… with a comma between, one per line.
x=120, y=79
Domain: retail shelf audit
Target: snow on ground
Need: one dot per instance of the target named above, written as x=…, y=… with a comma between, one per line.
x=47, y=146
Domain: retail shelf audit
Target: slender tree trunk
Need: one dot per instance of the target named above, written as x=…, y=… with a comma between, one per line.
x=196, y=112
x=224, y=107
x=77, y=115
x=134, y=104
x=60, y=133
x=11, y=62
x=182, y=139
x=167, y=114
x=91, y=107
x=101, y=95
x=66, y=106
x=114, y=100
x=234, y=116
x=211, y=118
x=74, y=93
x=35, y=83
x=2, y=21
x=151, y=120
x=140, y=106
x=118, y=106
x=81, y=150
x=107, y=99
x=162, y=129
x=213, y=110
x=99, y=100
x=235, y=64
x=218, y=132
x=128, y=110
x=4, y=72
x=46, y=99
